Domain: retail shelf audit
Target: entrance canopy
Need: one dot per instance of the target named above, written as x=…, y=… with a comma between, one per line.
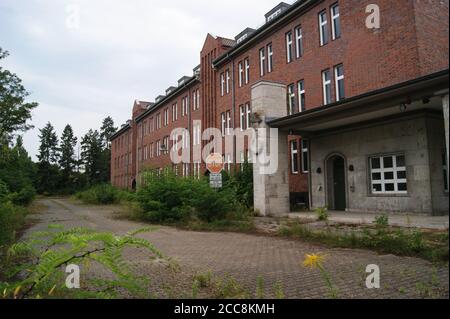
x=420, y=94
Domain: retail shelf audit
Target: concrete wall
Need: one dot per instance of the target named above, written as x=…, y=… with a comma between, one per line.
x=411, y=136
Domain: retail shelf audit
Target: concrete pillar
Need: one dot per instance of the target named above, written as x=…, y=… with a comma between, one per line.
x=271, y=191
x=446, y=119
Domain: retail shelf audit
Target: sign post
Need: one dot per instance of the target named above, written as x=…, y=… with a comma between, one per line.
x=214, y=164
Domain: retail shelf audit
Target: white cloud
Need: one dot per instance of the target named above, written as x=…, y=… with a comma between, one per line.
x=122, y=51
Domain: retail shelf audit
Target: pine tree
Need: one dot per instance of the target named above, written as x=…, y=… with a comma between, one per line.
x=107, y=130
x=48, y=172
x=67, y=161
x=91, y=156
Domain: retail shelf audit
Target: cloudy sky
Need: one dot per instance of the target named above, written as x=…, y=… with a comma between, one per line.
x=83, y=60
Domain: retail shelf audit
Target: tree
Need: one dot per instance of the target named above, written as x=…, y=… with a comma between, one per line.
x=91, y=156
x=14, y=111
x=48, y=172
x=67, y=161
x=106, y=131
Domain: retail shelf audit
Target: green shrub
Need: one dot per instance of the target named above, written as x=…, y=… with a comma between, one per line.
x=168, y=198
x=12, y=217
x=24, y=197
x=322, y=213
x=3, y=191
x=103, y=194
x=382, y=221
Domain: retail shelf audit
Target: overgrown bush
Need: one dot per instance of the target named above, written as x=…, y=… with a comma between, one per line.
x=24, y=197
x=12, y=217
x=103, y=194
x=168, y=198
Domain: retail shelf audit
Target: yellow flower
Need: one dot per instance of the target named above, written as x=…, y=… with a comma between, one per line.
x=313, y=260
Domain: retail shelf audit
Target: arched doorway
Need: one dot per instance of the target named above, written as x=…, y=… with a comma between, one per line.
x=336, y=182
x=133, y=184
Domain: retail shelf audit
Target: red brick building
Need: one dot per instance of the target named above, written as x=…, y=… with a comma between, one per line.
x=322, y=51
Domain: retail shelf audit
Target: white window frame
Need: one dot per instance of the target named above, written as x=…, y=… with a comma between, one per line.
x=222, y=123
x=298, y=42
x=326, y=87
x=291, y=98
x=247, y=70
x=262, y=61
x=301, y=92
x=242, y=120
x=198, y=98
x=335, y=18
x=194, y=101
x=248, y=112
x=269, y=58
x=305, y=154
x=337, y=80
x=288, y=36
x=227, y=81
x=241, y=74
x=323, y=27
x=294, y=152
x=382, y=170
x=228, y=118
x=222, y=84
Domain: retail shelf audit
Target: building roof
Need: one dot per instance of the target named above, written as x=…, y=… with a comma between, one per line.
x=123, y=129
x=290, y=13
x=192, y=80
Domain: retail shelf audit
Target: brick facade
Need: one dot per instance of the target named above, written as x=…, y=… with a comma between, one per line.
x=411, y=42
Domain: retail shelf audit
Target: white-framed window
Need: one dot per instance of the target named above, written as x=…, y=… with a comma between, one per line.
x=339, y=82
x=184, y=106
x=298, y=42
x=301, y=96
x=294, y=157
x=228, y=116
x=248, y=111
x=158, y=148
x=194, y=101
x=152, y=150
x=228, y=161
x=185, y=169
x=262, y=61
x=166, y=117
x=197, y=134
x=249, y=156
x=222, y=84
x=223, y=123
x=174, y=112
x=198, y=99
x=388, y=174
x=241, y=74
x=291, y=99
x=335, y=22
x=227, y=81
x=326, y=83
x=323, y=27
x=269, y=58
x=305, y=161
x=166, y=144
x=242, y=121
x=158, y=121
x=247, y=70
x=197, y=169
x=289, y=47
